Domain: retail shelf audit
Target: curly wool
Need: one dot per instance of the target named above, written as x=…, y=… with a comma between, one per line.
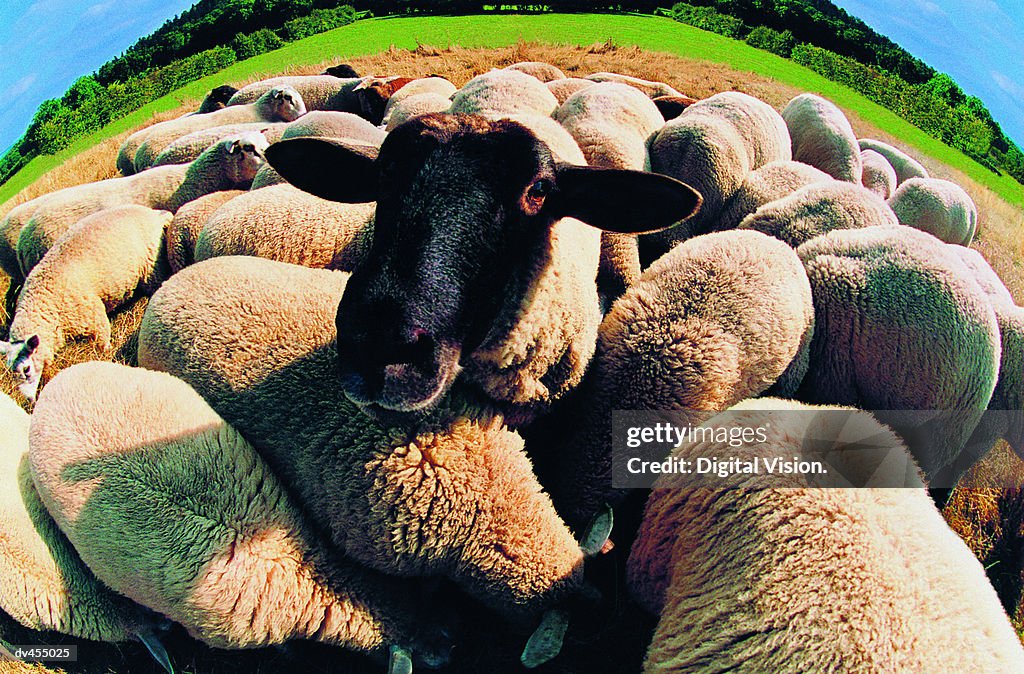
x=650, y=88
x=939, y=207
x=453, y=497
x=545, y=72
x=879, y=176
x=823, y=138
x=902, y=325
x=181, y=235
x=718, y=319
x=906, y=167
x=283, y=223
x=188, y=147
x=772, y=181
x=115, y=450
x=802, y=579
x=43, y=583
x=319, y=92
x=819, y=208
x=503, y=92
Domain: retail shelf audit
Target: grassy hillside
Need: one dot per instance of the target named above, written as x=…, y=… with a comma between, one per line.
x=653, y=33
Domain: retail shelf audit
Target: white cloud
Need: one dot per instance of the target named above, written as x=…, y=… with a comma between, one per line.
x=1008, y=85
x=21, y=86
x=99, y=8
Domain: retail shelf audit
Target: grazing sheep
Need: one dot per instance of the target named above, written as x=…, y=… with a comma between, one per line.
x=216, y=99
x=420, y=104
x=611, y=123
x=939, y=207
x=283, y=223
x=901, y=325
x=230, y=164
x=804, y=579
x=277, y=105
x=650, y=89
x=191, y=145
x=319, y=92
x=43, y=583
x=720, y=318
x=181, y=235
x=452, y=495
x=823, y=137
x=671, y=107
x=563, y=89
x=905, y=166
x=713, y=146
x=879, y=176
x=10, y=229
x=171, y=507
x=545, y=72
x=515, y=310
x=103, y=261
x=504, y=92
x=819, y=208
x=772, y=181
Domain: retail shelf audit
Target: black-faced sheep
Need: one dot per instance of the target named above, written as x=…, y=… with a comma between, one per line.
x=100, y=263
x=230, y=164
x=478, y=264
x=939, y=207
x=901, y=324
x=801, y=579
x=823, y=137
x=168, y=505
x=453, y=496
x=216, y=99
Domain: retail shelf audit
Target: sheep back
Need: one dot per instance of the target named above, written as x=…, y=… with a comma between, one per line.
x=879, y=176
x=906, y=167
x=190, y=219
x=772, y=181
x=503, y=92
x=939, y=207
x=822, y=137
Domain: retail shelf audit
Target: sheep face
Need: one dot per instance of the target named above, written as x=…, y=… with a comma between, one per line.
x=286, y=104
x=19, y=360
x=373, y=94
x=244, y=156
x=465, y=209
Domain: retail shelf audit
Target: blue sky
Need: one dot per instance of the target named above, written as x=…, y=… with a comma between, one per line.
x=980, y=43
x=47, y=44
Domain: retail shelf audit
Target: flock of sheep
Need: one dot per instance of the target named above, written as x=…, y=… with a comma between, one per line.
x=281, y=466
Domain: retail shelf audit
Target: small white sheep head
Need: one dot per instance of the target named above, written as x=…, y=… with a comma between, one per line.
x=18, y=358
x=244, y=154
x=286, y=104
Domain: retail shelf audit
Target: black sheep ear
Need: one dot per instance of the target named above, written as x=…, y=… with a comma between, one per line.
x=618, y=200
x=32, y=343
x=328, y=168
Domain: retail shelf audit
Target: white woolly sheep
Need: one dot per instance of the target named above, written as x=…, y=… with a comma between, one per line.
x=879, y=176
x=611, y=124
x=564, y=88
x=229, y=164
x=901, y=325
x=504, y=92
x=181, y=235
x=438, y=86
x=277, y=105
x=319, y=92
x=819, y=208
x=650, y=88
x=905, y=166
x=283, y=223
x=43, y=583
x=529, y=313
x=939, y=207
x=191, y=145
x=412, y=106
x=803, y=579
x=168, y=505
x=713, y=145
x=453, y=495
x=10, y=229
x=822, y=137
x=103, y=261
x=719, y=318
x=772, y=181
x=545, y=72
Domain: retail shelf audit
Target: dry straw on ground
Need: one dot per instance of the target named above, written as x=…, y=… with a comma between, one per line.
x=615, y=642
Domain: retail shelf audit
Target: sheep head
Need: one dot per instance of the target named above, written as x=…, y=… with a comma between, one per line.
x=465, y=211
x=18, y=356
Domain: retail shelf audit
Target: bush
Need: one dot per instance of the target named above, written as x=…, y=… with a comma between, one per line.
x=254, y=44
x=318, y=21
x=772, y=40
x=706, y=18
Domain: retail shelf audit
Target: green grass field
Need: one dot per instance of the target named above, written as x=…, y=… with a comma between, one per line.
x=648, y=32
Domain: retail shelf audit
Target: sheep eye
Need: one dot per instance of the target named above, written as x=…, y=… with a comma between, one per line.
x=539, y=189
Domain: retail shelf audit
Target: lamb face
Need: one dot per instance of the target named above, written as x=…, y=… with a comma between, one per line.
x=466, y=208
x=19, y=360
